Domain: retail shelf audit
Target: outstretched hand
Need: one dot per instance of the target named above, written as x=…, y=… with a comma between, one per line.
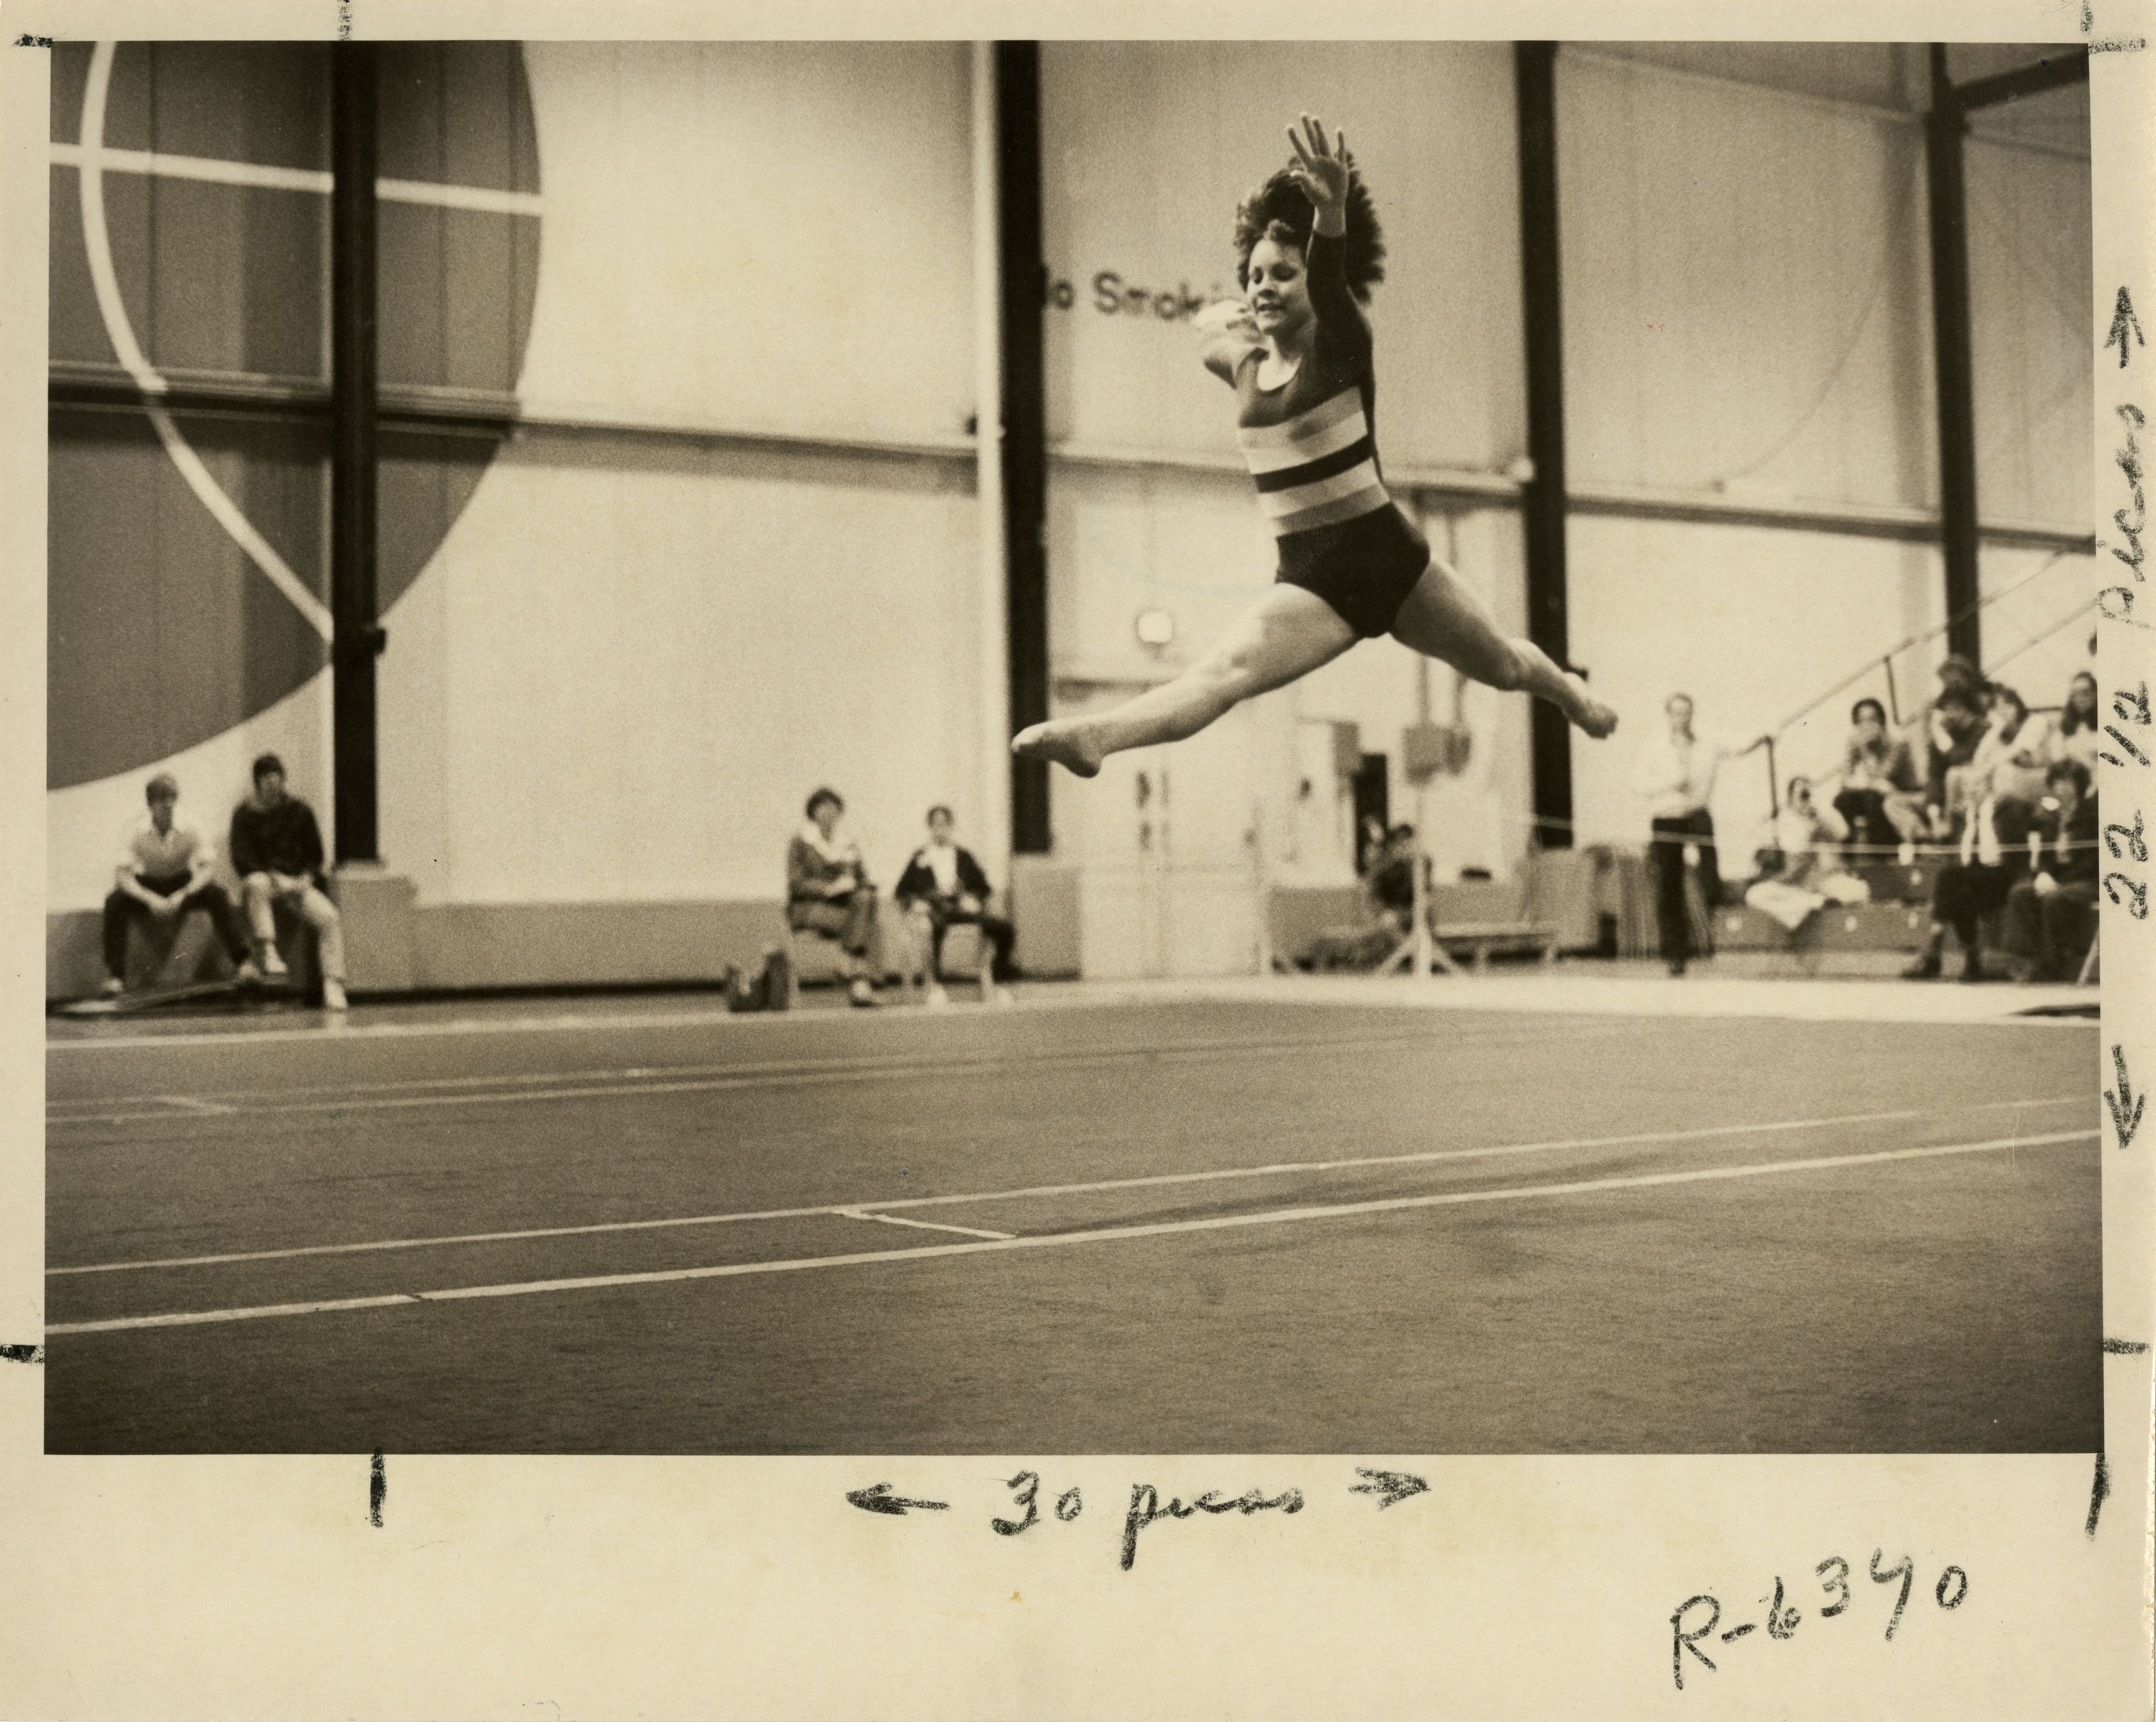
x=1320, y=168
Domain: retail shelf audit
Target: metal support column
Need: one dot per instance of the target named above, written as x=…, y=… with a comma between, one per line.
x=1543, y=507
x=1024, y=423
x=358, y=639
x=1953, y=364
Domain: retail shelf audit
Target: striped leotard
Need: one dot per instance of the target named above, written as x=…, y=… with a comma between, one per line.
x=1310, y=447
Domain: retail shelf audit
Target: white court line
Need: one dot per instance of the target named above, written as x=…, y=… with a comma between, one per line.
x=323, y=1033
x=854, y=1214
x=209, y=170
x=1273, y=1216
x=468, y=1091
x=1152, y=1181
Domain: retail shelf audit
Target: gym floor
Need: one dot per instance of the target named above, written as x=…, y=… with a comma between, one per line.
x=1274, y=1216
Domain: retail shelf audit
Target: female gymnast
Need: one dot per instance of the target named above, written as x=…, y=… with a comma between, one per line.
x=1297, y=352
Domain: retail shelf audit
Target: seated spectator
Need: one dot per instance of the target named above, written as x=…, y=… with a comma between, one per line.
x=1954, y=728
x=2051, y=916
x=277, y=852
x=2079, y=729
x=945, y=885
x=1795, y=885
x=1391, y=879
x=1973, y=885
x=165, y=873
x=1882, y=791
x=2009, y=767
x=828, y=892
x=1388, y=907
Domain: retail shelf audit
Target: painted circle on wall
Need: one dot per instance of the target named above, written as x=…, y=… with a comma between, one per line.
x=188, y=494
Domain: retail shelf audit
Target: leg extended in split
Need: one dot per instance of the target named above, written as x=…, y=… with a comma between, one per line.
x=1444, y=618
x=1285, y=634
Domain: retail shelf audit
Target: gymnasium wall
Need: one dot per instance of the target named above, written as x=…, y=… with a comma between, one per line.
x=731, y=555
x=729, y=550
x=1749, y=408
x=728, y=553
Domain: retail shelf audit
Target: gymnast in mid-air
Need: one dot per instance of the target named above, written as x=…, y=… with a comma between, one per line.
x=1297, y=352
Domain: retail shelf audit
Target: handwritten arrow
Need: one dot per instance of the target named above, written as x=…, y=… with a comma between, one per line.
x=880, y=1500
x=2122, y=320
x=1389, y=1486
x=2125, y=1107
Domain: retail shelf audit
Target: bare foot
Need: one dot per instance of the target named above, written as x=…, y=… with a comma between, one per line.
x=1069, y=742
x=1591, y=713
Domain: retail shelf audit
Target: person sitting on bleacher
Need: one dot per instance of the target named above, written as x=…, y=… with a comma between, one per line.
x=1953, y=727
x=1971, y=888
x=277, y=852
x=828, y=891
x=2079, y=728
x=1796, y=883
x=2051, y=916
x=165, y=873
x=2008, y=766
x=1881, y=789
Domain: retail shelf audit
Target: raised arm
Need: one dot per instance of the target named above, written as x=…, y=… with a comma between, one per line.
x=1322, y=169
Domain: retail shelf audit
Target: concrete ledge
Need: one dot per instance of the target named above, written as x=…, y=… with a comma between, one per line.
x=460, y=944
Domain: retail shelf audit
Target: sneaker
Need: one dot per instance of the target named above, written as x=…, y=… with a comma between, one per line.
x=333, y=998
x=936, y=999
x=273, y=964
x=1001, y=999
x=113, y=986
x=861, y=995
x=1924, y=968
x=247, y=975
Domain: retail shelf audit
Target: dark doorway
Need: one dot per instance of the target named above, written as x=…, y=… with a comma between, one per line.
x=1371, y=803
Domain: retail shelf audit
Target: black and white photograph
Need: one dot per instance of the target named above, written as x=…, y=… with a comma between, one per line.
x=762, y=745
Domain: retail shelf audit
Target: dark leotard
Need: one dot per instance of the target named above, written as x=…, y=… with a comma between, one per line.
x=1311, y=447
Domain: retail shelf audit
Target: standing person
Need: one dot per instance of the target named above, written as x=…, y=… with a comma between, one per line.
x=165, y=873
x=2078, y=730
x=277, y=852
x=945, y=884
x=1297, y=351
x=828, y=892
x=1675, y=773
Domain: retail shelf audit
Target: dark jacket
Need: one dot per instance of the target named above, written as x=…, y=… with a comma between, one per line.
x=2078, y=866
x=917, y=883
x=280, y=839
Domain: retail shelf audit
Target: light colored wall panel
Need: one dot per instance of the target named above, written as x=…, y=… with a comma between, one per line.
x=1753, y=622
x=649, y=653
x=765, y=234
x=2032, y=307
x=1745, y=300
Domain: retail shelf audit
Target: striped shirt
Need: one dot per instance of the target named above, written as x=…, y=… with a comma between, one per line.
x=1309, y=442
x=1318, y=469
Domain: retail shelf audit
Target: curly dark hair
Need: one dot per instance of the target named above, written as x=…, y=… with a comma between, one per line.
x=1281, y=211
